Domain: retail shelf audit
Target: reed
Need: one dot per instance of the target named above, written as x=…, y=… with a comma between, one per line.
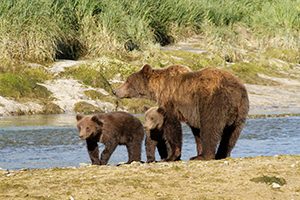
x=44, y=30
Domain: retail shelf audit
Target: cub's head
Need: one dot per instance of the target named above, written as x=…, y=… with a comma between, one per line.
x=136, y=85
x=88, y=126
x=154, y=118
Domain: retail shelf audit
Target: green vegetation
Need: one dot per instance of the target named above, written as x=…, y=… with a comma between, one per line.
x=132, y=105
x=269, y=180
x=22, y=82
x=95, y=95
x=43, y=30
x=249, y=72
x=51, y=108
x=246, y=37
x=86, y=108
x=88, y=76
x=135, y=105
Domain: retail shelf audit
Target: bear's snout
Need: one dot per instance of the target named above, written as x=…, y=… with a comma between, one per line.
x=146, y=127
x=118, y=92
x=122, y=91
x=81, y=136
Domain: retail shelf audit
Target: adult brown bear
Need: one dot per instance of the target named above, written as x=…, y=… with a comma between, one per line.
x=211, y=100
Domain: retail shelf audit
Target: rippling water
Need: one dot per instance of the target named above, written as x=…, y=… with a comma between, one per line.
x=52, y=141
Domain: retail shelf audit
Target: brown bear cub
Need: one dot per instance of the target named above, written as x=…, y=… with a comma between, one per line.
x=111, y=129
x=164, y=132
x=213, y=102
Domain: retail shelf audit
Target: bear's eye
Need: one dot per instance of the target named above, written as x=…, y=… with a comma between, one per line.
x=151, y=118
x=87, y=128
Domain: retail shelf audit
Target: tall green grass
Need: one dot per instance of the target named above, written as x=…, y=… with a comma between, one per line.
x=43, y=30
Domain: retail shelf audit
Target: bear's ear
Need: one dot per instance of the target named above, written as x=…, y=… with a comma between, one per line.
x=145, y=108
x=97, y=121
x=79, y=117
x=147, y=70
x=161, y=111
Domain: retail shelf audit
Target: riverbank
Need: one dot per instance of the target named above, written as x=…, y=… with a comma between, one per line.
x=74, y=65
x=276, y=177
x=69, y=86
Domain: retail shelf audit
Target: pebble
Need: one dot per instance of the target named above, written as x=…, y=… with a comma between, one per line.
x=293, y=165
x=83, y=164
x=275, y=186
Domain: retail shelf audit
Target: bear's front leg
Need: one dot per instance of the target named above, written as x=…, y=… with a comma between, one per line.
x=150, y=148
x=108, y=150
x=93, y=150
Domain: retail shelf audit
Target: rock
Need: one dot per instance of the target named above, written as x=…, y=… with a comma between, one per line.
x=293, y=165
x=226, y=163
x=275, y=186
x=84, y=164
x=134, y=163
x=11, y=107
x=68, y=92
x=59, y=66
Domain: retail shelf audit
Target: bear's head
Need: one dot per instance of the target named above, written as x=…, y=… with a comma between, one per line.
x=88, y=126
x=154, y=118
x=144, y=83
x=136, y=84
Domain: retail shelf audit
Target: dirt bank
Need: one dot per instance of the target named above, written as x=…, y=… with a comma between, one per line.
x=242, y=178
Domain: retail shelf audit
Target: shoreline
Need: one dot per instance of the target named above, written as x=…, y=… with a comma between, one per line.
x=273, y=177
x=69, y=119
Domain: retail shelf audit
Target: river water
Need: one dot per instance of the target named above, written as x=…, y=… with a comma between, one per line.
x=52, y=141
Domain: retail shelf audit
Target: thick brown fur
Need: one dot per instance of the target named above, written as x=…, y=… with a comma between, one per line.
x=111, y=129
x=211, y=100
x=164, y=132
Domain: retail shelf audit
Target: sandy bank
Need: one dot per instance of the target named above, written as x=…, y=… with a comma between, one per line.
x=275, y=177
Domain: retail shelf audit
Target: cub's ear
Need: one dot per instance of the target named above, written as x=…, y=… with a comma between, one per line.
x=97, y=121
x=79, y=117
x=161, y=111
x=145, y=108
x=147, y=70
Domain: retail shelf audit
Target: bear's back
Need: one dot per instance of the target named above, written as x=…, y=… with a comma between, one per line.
x=121, y=123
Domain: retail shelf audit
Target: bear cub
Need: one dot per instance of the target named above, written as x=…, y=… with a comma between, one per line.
x=111, y=129
x=164, y=132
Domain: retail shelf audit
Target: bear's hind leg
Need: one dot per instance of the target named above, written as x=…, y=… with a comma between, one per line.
x=108, y=150
x=196, y=133
x=210, y=137
x=228, y=141
x=134, y=150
